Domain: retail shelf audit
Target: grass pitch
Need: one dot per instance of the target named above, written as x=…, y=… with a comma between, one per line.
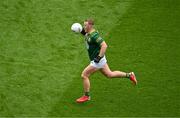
x=41, y=59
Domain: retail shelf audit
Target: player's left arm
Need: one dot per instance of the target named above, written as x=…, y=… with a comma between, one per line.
x=103, y=46
x=102, y=52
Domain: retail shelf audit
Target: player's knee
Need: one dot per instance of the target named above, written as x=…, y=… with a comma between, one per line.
x=84, y=76
x=109, y=75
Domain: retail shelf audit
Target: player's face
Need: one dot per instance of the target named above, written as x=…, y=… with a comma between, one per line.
x=87, y=27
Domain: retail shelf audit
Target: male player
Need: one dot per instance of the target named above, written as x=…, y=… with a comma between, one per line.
x=96, y=47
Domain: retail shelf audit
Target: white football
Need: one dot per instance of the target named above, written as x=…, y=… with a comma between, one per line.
x=76, y=27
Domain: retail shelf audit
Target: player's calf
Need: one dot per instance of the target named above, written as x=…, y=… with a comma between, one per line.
x=108, y=75
x=114, y=74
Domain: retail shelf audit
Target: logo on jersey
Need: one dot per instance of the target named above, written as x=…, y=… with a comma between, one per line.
x=89, y=39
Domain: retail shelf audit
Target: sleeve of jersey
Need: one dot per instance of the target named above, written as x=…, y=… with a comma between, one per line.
x=98, y=39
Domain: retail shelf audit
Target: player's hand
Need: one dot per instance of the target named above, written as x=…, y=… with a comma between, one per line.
x=97, y=59
x=83, y=32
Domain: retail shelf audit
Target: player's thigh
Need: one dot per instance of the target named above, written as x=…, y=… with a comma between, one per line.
x=106, y=70
x=89, y=70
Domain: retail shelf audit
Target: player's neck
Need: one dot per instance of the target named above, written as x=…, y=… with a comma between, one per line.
x=91, y=31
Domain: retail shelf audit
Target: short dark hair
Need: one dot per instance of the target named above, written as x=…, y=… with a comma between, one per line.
x=90, y=21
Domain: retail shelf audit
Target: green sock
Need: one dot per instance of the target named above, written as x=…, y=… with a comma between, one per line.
x=127, y=75
x=87, y=94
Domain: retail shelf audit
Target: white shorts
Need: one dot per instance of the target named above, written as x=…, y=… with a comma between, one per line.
x=99, y=65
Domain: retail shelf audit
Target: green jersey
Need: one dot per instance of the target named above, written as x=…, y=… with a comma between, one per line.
x=93, y=44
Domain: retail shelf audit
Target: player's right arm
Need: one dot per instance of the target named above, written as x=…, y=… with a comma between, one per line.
x=83, y=32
